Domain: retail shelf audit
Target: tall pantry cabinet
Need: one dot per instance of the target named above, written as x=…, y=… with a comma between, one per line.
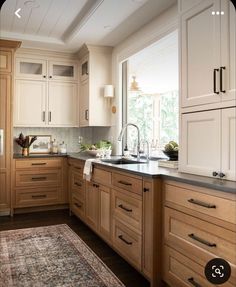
x=208, y=88
x=7, y=49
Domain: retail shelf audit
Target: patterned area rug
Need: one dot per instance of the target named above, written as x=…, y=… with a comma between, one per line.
x=50, y=256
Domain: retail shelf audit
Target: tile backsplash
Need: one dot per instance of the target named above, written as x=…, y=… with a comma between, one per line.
x=69, y=135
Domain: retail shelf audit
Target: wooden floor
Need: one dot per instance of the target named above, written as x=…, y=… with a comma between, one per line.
x=128, y=275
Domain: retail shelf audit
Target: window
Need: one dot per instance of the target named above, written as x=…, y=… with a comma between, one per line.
x=150, y=99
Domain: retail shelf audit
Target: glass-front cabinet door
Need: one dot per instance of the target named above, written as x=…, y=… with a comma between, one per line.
x=62, y=71
x=34, y=69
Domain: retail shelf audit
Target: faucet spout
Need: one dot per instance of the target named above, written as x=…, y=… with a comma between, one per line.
x=138, y=135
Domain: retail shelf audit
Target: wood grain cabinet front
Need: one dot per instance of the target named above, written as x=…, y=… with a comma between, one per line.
x=199, y=225
x=39, y=182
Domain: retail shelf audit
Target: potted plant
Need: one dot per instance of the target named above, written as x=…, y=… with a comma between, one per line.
x=25, y=143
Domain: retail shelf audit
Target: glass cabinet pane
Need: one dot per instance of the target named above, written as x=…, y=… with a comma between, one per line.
x=63, y=71
x=31, y=68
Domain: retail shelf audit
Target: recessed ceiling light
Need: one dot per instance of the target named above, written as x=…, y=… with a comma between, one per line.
x=107, y=27
x=31, y=4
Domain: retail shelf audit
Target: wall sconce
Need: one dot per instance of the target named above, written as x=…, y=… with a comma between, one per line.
x=108, y=91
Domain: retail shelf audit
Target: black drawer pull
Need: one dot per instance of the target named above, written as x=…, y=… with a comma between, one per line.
x=124, y=182
x=145, y=189
x=39, y=163
x=125, y=208
x=214, y=81
x=221, y=80
x=203, y=241
x=95, y=185
x=39, y=196
x=124, y=240
x=78, y=184
x=203, y=204
x=194, y=283
x=39, y=178
x=78, y=205
x=77, y=167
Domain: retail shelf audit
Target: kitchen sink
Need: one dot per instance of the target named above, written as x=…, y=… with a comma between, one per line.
x=122, y=161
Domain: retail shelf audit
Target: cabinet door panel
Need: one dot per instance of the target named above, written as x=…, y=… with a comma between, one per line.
x=104, y=212
x=30, y=103
x=200, y=143
x=84, y=104
x=228, y=49
x=91, y=208
x=200, y=54
x=229, y=143
x=62, y=104
x=34, y=69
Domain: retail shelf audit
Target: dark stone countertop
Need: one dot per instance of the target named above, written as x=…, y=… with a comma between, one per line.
x=151, y=169
x=20, y=156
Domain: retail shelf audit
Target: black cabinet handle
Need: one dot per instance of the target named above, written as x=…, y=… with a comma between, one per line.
x=124, y=240
x=124, y=208
x=50, y=116
x=38, y=163
x=214, y=81
x=44, y=76
x=86, y=115
x=203, y=204
x=50, y=77
x=145, y=189
x=124, y=182
x=221, y=79
x=77, y=167
x=203, y=241
x=39, y=196
x=77, y=205
x=95, y=185
x=194, y=283
x=43, y=116
x=39, y=178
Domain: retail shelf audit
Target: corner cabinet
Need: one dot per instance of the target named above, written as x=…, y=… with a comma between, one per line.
x=208, y=54
x=45, y=93
x=95, y=72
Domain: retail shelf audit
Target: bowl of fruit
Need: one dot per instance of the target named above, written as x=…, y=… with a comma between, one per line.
x=96, y=148
x=171, y=150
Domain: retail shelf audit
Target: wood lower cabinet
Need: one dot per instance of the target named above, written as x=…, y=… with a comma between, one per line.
x=124, y=209
x=7, y=50
x=39, y=182
x=199, y=225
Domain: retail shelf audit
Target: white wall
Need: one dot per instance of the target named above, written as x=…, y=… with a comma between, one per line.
x=164, y=24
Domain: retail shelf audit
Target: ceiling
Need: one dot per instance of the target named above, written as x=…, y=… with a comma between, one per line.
x=66, y=24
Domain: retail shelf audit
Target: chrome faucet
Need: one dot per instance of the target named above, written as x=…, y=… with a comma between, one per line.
x=138, y=144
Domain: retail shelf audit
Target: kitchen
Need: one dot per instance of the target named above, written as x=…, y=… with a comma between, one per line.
x=69, y=85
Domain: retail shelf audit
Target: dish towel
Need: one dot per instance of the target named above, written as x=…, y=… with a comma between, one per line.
x=88, y=169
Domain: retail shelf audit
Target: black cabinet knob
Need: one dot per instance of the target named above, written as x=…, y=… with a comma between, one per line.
x=145, y=189
x=215, y=173
x=221, y=175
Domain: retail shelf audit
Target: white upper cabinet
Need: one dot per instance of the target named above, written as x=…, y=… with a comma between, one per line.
x=34, y=69
x=208, y=54
x=62, y=104
x=30, y=103
x=46, y=92
x=62, y=71
x=95, y=73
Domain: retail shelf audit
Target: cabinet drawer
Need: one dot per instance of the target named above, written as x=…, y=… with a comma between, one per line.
x=77, y=184
x=41, y=178
x=218, y=207
x=101, y=176
x=38, y=163
x=37, y=197
x=127, y=242
x=129, y=183
x=128, y=209
x=77, y=206
x=199, y=238
x=180, y=271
